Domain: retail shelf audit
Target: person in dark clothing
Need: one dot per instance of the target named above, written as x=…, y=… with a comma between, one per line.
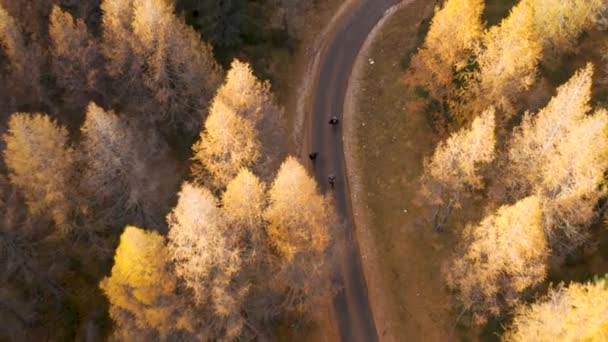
x=332, y=180
x=333, y=121
x=313, y=156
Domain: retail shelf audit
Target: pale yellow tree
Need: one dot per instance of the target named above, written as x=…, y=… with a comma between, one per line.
x=207, y=256
x=75, y=58
x=145, y=42
x=252, y=100
x=504, y=255
x=120, y=177
x=545, y=157
x=41, y=164
x=454, y=35
x=243, y=204
x=228, y=143
x=299, y=223
x=559, y=23
x=508, y=63
x=455, y=165
x=578, y=312
x=142, y=289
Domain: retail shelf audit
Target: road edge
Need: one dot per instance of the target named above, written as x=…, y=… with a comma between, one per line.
x=363, y=233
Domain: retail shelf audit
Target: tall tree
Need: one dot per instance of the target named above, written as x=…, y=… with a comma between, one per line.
x=505, y=255
x=75, y=59
x=142, y=289
x=455, y=33
x=228, y=143
x=507, y=64
x=23, y=65
x=148, y=42
x=124, y=173
x=545, y=157
x=41, y=164
x=244, y=129
x=578, y=312
x=207, y=257
x=299, y=223
x=559, y=23
x=219, y=21
x=455, y=165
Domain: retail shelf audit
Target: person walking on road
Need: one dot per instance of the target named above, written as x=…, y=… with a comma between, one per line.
x=333, y=121
x=332, y=180
x=313, y=156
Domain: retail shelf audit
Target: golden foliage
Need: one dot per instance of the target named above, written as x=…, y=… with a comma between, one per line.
x=141, y=288
x=298, y=216
x=207, y=257
x=545, y=158
x=454, y=35
x=41, y=164
x=505, y=255
x=508, y=62
x=578, y=312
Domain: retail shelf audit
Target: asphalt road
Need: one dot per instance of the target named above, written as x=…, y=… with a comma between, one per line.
x=351, y=304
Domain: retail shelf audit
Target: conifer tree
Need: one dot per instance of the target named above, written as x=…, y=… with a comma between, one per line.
x=545, y=157
x=505, y=255
x=455, y=165
x=299, y=221
x=142, y=289
x=41, y=164
x=578, y=312
x=75, y=59
x=441, y=58
x=208, y=258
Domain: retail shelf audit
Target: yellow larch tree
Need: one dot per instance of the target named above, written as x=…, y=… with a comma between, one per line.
x=75, y=58
x=41, y=164
x=504, y=255
x=142, y=289
x=228, y=143
x=559, y=23
x=578, y=312
x=455, y=165
x=508, y=63
x=299, y=220
x=454, y=35
x=545, y=158
x=208, y=258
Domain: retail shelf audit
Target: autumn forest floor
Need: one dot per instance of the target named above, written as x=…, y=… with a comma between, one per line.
x=393, y=131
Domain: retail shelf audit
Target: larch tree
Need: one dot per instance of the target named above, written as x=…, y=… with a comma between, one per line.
x=75, y=59
x=455, y=165
x=142, y=289
x=578, y=312
x=120, y=176
x=228, y=143
x=23, y=65
x=505, y=254
x=245, y=119
x=41, y=164
x=441, y=58
x=508, y=63
x=208, y=258
x=299, y=220
x=147, y=42
x=545, y=157
x=559, y=23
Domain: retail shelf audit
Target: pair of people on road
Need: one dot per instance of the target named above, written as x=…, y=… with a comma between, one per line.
x=313, y=156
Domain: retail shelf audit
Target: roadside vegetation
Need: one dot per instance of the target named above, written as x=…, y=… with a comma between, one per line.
x=484, y=166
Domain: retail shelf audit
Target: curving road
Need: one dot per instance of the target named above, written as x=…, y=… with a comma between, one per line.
x=351, y=305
